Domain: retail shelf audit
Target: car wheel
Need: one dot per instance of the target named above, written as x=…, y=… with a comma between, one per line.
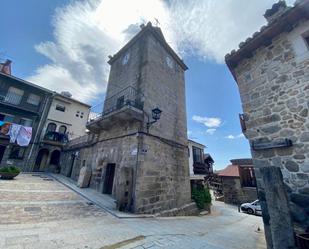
x=250, y=211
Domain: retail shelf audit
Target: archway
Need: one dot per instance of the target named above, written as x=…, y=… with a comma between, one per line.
x=41, y=160
x=55, y=158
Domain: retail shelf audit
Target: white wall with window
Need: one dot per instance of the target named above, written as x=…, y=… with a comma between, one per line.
x=68, y=116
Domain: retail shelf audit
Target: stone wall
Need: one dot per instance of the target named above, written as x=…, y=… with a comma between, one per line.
x=234, y=193
x=274, y=89
x=156, y=163
x=162, y=176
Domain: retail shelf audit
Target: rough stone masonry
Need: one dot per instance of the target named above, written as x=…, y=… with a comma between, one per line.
x=272, y=73
x=151, y=165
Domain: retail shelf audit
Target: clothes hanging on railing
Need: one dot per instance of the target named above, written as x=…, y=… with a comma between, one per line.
x=24, y=136
x=4, y=127
x=13, y=132
x=18, y=133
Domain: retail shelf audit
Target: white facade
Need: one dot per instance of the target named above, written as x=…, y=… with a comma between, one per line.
x=68, y=115
x=198, y=146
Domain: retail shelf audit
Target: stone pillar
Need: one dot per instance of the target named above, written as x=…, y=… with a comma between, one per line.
x=277, y=219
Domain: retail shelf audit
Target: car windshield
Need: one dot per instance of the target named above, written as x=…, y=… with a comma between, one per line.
x=257, y=202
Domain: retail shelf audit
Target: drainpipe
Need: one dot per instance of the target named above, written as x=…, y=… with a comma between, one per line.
x=43, y=117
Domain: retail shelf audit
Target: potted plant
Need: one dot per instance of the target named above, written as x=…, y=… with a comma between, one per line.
x=8, y=173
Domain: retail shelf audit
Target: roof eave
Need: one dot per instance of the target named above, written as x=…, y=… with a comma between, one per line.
x=266, y=34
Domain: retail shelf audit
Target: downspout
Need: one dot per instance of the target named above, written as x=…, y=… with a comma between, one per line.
x=43, y=117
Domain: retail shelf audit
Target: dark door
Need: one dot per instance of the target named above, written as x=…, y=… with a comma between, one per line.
x=2, y=149
x=109, y=178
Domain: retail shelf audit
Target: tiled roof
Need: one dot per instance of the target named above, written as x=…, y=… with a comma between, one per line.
x=231, y=170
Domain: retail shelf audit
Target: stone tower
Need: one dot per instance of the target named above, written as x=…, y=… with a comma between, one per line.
x=145, y=170
x=271, y=70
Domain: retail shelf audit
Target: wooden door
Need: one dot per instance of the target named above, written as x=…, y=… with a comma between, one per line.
x=109, y=179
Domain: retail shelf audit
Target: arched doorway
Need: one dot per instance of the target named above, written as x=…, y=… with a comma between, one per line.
x=55, y=158
x=41, y=160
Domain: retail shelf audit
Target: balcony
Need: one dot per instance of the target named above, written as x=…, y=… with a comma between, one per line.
x=16, y=100
x=200, y=168
x=125, y=105
x=55, y=138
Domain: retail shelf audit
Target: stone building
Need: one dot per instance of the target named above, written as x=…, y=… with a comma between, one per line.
x=272, y=73
x=23, y=103
x=237, y=182
x=143, y=164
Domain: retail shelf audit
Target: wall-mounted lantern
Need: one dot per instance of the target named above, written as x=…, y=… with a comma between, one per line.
x=156, y=114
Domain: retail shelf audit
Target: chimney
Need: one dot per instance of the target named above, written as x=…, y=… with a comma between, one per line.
x=6, y=67
x=276, y=10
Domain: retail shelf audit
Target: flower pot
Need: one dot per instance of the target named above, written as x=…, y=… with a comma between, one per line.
x=8, y=175
x=303, y=240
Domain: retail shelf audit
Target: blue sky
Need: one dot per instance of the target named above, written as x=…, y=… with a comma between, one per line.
x=63, y=45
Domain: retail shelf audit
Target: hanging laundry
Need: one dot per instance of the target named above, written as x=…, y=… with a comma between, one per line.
x=24, y=136
x=13, y=132
x=4, y=128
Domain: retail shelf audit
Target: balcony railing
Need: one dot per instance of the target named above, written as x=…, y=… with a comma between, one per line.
x=14, y=99
x=56, y=137
x=200, y=168
x=126, y=97
x=11, y=98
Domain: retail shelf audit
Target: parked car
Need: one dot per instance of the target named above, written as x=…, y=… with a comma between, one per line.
x=252, y=208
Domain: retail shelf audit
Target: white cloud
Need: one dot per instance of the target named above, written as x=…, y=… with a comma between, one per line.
x=235, y=136
x=211, y=131
x=86, y=32
x=209, y=122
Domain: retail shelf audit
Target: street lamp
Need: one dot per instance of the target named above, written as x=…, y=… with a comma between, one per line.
x=156, y=114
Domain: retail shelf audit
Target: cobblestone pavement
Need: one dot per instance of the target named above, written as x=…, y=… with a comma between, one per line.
x=39, y=213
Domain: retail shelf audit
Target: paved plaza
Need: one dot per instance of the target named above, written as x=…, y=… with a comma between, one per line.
x=37, y=211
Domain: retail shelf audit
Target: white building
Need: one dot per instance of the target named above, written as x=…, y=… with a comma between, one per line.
x=66, y=120
x=200, y=164
x=67, y=116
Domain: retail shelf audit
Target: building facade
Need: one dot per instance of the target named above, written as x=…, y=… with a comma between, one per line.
x=143, y=164
x=200, y=164
x=66, y=120
x=238, y=182
x=23, y=103
x=271, y=70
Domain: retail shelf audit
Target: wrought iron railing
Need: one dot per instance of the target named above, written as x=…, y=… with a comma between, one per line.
x=126, y=97
x=56, y=137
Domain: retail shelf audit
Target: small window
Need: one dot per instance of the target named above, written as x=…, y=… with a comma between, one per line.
x=17, y=152
x=34, y=99
x=60, y=108
x=26, y=122
x=14, y=96
x=62, y=129
x=51, y=127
